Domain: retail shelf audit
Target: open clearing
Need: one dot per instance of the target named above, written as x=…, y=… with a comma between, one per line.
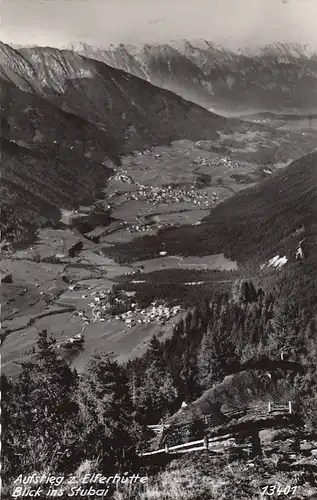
x=208, y=262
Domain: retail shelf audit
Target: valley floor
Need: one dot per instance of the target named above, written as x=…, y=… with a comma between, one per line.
x=153, y=189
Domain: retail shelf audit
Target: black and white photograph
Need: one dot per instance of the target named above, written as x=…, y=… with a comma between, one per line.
x=158, y=250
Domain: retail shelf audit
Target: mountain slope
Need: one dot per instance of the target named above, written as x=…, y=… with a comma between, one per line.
x=132, y=110
x=278, y=76
x=49, y=160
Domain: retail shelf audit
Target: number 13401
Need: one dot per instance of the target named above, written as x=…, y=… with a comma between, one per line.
x=271, y=490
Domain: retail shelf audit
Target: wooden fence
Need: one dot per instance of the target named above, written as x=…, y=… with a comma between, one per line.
x=216, y=441
x=200, y=444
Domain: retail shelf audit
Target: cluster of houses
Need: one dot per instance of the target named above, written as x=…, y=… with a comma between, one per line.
x=202, y=161
x=216, y=162
x=122, y=177
x=138, y=228
x=170, y=194
x=155, y=313
x=145, y=152
x=224, y=160
x=104, y=306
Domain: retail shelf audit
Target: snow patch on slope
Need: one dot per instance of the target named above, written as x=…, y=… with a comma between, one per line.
x=299, y=254
x=277, y=262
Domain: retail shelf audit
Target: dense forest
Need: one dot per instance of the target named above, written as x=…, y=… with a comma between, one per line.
x=56, y=420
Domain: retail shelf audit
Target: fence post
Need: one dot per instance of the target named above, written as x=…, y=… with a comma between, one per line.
x=206, y=419
x=290, y=407
x=269, y=407
x=206, y=442
x=166, y=449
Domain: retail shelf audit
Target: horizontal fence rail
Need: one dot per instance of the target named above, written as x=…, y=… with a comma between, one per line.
x=209, y=442
x=201, y=444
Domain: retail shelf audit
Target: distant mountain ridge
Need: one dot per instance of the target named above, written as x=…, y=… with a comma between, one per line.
x=275, y=76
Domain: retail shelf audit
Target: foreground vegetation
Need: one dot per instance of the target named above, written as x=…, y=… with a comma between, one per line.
x=58, y=421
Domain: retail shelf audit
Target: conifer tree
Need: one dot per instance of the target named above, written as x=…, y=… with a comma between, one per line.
x=157, y=393
x=45, y=391
x=104, y=390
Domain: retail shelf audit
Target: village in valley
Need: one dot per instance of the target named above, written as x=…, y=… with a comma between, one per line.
x=66, y=283
x=120, y=305
x=117, y=304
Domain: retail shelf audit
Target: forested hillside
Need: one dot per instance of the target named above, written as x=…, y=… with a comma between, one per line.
x=56, y=420
x=255, y=225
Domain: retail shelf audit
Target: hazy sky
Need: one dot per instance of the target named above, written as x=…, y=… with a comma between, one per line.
x=235, y=23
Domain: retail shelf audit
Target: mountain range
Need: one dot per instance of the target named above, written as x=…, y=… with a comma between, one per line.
x=67, y=119
x=277, y=76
